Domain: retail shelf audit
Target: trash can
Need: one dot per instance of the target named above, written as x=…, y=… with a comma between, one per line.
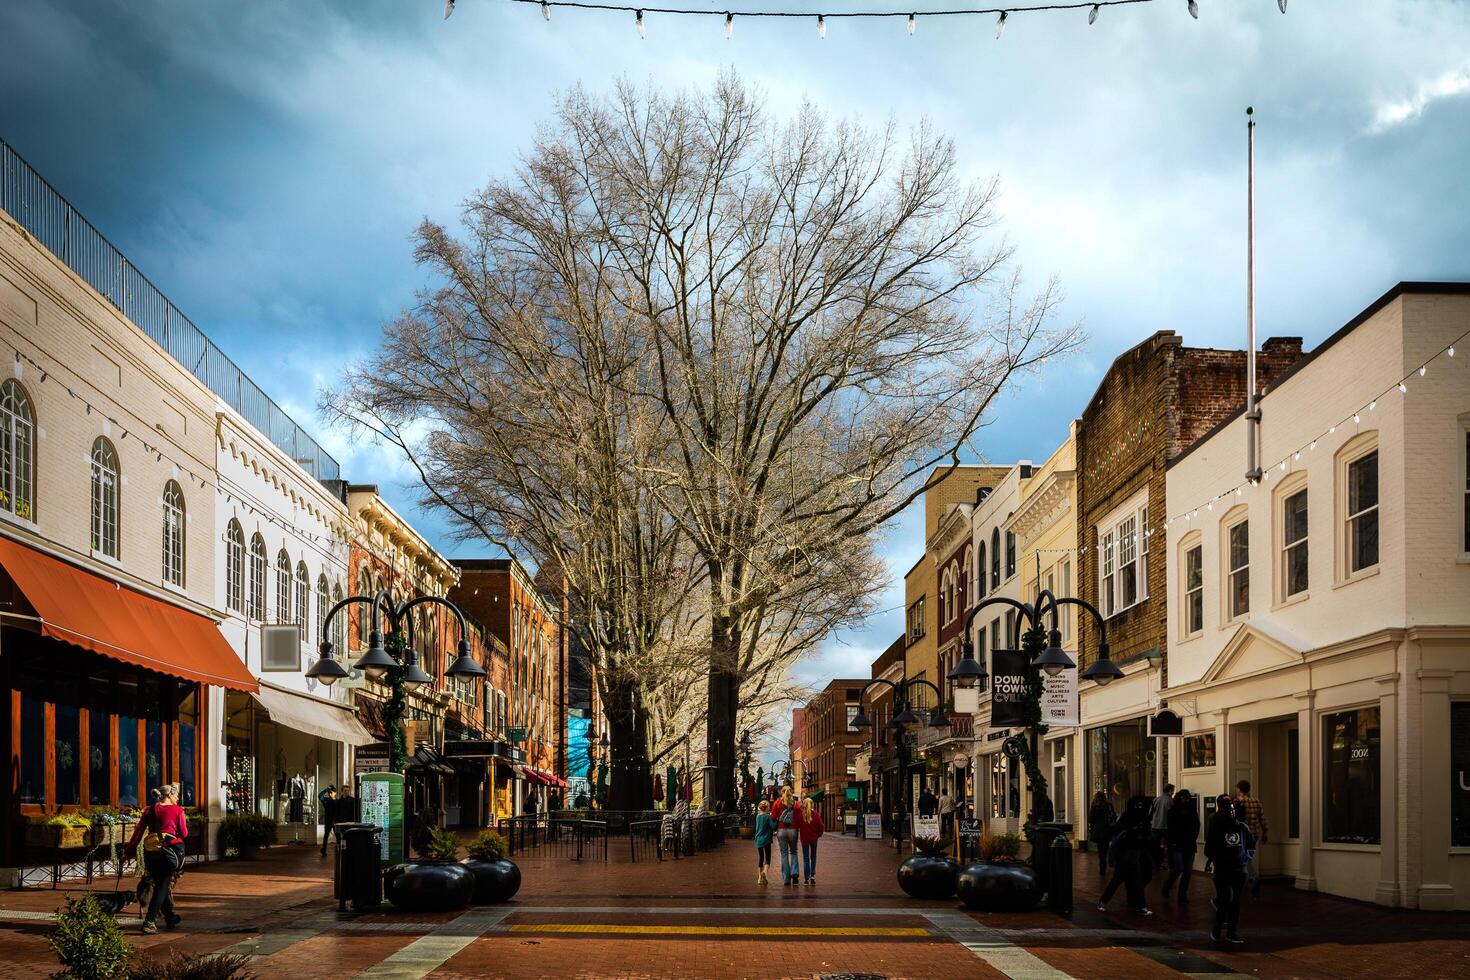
x=358, y=873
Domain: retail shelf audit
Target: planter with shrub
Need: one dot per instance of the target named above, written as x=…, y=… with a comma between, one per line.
x=436, y=882
x=245, y=834
x=929, y=873
x=497, y=878
x=1000, y=881
x=205, y=966
x=80, y=828
x=89, y=943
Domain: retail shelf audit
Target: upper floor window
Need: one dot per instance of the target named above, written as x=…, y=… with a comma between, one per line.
x=323, y=602
x=995, y=559
x=257, y=577
x=967, y=581
x=303, y=596
x=283, y=587
x=339, y=625
x=173, y=534
x=235, y=566
x=1065, y=613
x=1294, y=543
x=1124, y=565
x=1362, y=512
x=916, y=619
x=946, y=595
x=1238, y=569
x=1010, y=553
x=1194, y=588
x=17, y=451
x=980, y=572
x=105, y=479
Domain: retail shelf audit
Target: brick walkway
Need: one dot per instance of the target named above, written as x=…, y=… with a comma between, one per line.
x=706, y=917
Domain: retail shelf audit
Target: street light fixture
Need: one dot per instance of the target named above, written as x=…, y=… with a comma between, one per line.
x=1102, y=670
x=905, y=718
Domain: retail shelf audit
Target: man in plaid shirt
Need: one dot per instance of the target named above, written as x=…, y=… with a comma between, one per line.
x=1254, y=814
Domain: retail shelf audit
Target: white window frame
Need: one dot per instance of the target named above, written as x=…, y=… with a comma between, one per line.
x=285, y=579
x=1064, y=580
x=339, y=625
x=235, y=566
x=106, y=498
x=1288, y=491
x=17, y=451
x=1227, y=528
x=303, y=598
x=1130, y=519
x=1060, y=777
x=173, y=534
x=1365, y=444
x=258, y=561
x=1192, y=543
x=323, y=605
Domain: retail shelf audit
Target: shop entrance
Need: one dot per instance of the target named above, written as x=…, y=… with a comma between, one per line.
x=1268, y=754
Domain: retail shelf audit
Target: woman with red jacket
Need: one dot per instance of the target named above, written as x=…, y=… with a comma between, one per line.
x=163, y=856
x=811, y=829
x=786, y=815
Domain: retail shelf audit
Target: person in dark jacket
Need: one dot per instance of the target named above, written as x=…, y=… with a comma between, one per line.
x=162, y=829
x=1100, y=821
x=1181, y=837
x=1132, y=854
x=1229, y=848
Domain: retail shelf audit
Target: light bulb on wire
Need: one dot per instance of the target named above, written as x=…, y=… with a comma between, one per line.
x=911, y=25
x=448, y=8
x=1282, y=5
x=642, y=30
x=1000, y=24
x=1194, y=9
x=729, y=25
x=545, y=10
x=821, y=27
x=1092, y=15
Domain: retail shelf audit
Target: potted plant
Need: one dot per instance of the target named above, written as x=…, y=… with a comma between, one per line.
x=245, y=834
x=1000, y=881
x=929, y=872
x=497, y=878
x=61, y=830
x=436, y=882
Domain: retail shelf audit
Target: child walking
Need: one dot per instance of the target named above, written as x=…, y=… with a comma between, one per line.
x=765, y=829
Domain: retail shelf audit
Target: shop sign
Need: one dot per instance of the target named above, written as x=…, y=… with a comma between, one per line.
x=370, y=758
x=872, y=825
x=516, y=735
x=381, y=798
x=969, y=829
x=1059, y=699
x=926, y=827
x=1008, y=673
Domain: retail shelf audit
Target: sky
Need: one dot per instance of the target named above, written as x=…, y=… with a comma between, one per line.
x=265, y=162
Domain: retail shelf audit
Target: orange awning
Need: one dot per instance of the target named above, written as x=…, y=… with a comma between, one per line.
x=96, y=614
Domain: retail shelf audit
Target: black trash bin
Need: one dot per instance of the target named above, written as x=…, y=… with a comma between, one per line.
x=359, y=873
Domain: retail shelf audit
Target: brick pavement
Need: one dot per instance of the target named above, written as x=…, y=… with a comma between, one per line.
x=706, y=917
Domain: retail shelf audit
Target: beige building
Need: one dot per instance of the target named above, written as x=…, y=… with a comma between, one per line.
x=1319, y=622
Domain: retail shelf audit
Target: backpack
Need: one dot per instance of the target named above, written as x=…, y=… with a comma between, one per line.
x=788, y=817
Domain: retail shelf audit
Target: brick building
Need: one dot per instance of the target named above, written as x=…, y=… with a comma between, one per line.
x=830, y=746
x=795, y=743
x=1155, y=400
x=884, y=785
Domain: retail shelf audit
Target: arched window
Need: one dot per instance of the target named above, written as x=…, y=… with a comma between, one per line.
x=17, y=451
x=283, y=587
x=173, y=534
x=257, y=577
x=980, y=589
x=995, y=559
x=235, y=566
x=339, y=625
x=967, y=582
x=105, y=480
x=323, y=605
x=303, y=598
x=1010, y=553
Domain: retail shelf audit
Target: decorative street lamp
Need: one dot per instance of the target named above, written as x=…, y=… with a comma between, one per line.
x=904, y=720
x=403, y=676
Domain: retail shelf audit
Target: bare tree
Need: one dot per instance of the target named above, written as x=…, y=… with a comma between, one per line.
x=826, y=322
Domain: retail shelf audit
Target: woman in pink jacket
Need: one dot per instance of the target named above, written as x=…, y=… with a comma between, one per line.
x=811, y=829
x=165, y=819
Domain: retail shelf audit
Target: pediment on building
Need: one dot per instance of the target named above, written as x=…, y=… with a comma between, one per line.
x=1255, y=648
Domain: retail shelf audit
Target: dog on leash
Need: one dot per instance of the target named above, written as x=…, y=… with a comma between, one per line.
x=114, y=902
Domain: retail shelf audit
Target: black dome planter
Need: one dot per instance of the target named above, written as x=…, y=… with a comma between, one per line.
x=1000, y=887
x=429, y=886
x=495, y=881
x=928, y=876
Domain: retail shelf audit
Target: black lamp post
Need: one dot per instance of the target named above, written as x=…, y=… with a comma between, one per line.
x=969, y=672
x=904, y=720
x=378, y=664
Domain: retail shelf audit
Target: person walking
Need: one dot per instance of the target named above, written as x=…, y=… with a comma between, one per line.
x=162, y=830
x=786, y=813
x=946, y=813
x=1100, y=821
x=1158, y=816
x=765, y=829
x=1132, y=854
x=1183, y=842
x=326, y=807
x=928, y=805
x=1254, y=815
x=811, y=831
x=1230, y=846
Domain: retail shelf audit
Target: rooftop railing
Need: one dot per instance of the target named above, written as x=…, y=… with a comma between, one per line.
x=62, y=229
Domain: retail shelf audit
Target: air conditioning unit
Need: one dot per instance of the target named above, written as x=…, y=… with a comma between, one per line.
x=280, y=647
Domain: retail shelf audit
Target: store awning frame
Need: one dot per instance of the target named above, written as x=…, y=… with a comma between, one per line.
x=304, y=713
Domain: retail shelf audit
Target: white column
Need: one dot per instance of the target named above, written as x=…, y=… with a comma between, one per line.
x=1387, y=891
x=1307, y=747
x=1434, y=777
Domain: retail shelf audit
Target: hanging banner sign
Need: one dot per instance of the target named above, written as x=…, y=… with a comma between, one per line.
x=1059, y=699
x=1008, y=670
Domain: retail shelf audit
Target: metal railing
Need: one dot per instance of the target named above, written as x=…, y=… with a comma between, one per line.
x=522, y=833
x=645, y=841
x=51, y=220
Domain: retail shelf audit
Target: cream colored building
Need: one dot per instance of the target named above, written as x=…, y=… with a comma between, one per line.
x=1320, y=621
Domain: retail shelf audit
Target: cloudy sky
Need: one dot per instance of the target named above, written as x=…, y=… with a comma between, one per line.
x=264, y=161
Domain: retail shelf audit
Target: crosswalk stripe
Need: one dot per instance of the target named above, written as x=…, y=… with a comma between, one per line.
x=994, y=949
x=715, y=930
x=426, y=954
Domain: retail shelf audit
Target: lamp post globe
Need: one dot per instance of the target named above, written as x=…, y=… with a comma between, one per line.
x=969, y=672
x=1102, y=670
x=325, y=669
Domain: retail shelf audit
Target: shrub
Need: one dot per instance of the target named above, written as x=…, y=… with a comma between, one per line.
x=211, y=966
x=88, y=942
x=425, y=822
x=438, y=845
x=933, y=846
x=489, y=846
x=999, y=847
x=240, y=831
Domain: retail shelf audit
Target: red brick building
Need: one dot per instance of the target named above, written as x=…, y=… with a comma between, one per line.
x=830, y=746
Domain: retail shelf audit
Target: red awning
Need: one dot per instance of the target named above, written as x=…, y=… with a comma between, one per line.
x=89, y=611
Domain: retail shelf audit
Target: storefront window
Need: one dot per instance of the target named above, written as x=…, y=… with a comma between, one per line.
x=1122, y=762
x=1005, y=787
x=1350, y=777
x=1460, y=774
x=1061, y=785
x=99, y=756
x=127, y=761
x=68, y=745
x=188, y=727
x=32, y=750
x=1293, y=784
x=154, y=761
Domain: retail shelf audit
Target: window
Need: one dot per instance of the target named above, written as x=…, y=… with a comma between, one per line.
x=1460, y=774
x=946, y=598
x=1294, y=544
x=1362, y=512
x=235, y=566
x=1194, y=589
x=1005, y=787
x=980, y=572
x=1064, y=574
x=916, y=620
x=173, y=534
x=995, y=633
x=303, y=597
x=257, y=577
x=1465, y=465
x=995, y=559
x=18, y=451
x=32, y=750
x=1238, y=569
x=852, y=712
x=1109, y=582
x=1061, y=785
x=1010, y=553
x=283, y=587
x=1122, y=541
x=339, y=625
x=1199, y=751
x=99, y=758
x=104, y=498
x=1350, y=777
x=323, y=604
x=967, y=581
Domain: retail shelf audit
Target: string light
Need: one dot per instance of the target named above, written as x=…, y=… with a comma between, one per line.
x=1403, y=388
x=448, y=8
x=642, y=31
x=821, y=27
x=911, y=25
x=1422, y=369
x=545, y=10
x=1092, y=15
x=729, y=25
x=1000, y=24
x=1194, y=9
x=1282, y=5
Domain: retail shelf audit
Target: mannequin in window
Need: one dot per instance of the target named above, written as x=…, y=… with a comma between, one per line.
x=297, y=792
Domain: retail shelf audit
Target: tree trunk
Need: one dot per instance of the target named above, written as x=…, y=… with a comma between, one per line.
x=631, y=785
x=723, y=700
